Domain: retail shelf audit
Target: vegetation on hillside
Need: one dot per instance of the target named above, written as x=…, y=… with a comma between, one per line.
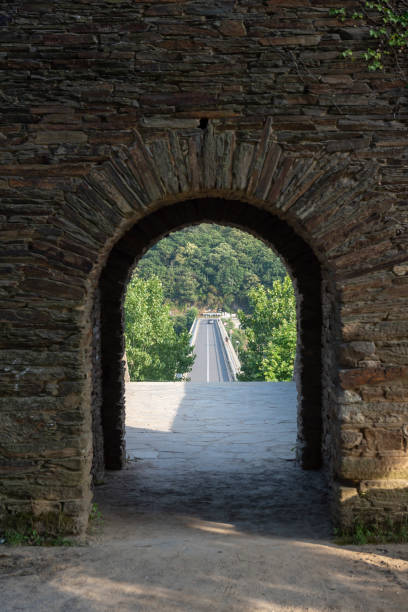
x=211, y=266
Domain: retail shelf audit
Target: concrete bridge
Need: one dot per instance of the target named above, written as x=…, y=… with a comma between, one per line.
x=122, y=122
x=215, y=361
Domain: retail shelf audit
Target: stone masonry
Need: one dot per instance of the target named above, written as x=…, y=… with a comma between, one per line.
x=123, y=120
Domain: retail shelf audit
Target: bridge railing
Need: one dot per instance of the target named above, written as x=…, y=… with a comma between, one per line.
x=193, y=332
x=232, y=358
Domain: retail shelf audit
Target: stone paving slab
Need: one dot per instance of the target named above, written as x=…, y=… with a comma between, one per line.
x=222, y=427
x=219, y=452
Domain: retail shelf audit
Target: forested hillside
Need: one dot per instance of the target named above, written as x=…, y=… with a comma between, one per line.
x=211, y=266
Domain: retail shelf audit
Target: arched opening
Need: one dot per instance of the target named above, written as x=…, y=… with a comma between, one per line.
x=306, y=274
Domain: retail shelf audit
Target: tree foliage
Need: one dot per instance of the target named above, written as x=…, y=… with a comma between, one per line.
x=211, y=266
x=270, y=327
x=154, y=350
x=184, y=321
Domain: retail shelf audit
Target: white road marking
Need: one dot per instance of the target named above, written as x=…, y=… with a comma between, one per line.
x=208, y=358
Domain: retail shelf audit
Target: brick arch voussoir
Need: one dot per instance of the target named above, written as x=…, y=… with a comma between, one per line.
x=175, y=165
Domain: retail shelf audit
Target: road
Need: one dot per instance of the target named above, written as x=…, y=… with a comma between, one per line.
x=210, y=364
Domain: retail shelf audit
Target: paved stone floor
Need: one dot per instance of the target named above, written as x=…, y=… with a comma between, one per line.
x=219, y=452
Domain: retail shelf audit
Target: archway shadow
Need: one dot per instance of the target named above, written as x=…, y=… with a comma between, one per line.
x=222, y=453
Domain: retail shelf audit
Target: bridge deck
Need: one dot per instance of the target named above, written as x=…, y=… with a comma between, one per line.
x=210, y=363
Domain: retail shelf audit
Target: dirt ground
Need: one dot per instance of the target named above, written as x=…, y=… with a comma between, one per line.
x=167, y=564
x=210, y=514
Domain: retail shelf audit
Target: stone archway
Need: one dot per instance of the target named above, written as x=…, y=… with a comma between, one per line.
x=332, y=221
x=305, y=271
x=292, y=203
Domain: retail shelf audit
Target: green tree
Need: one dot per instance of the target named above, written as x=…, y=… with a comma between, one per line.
x=280, y=352
x=186, y=286
x=210, y=265
x=270, y=328
x=183, y=322
x=154, y=351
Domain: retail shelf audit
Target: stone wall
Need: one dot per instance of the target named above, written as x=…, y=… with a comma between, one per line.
x=98, y=459
x=115, y=110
